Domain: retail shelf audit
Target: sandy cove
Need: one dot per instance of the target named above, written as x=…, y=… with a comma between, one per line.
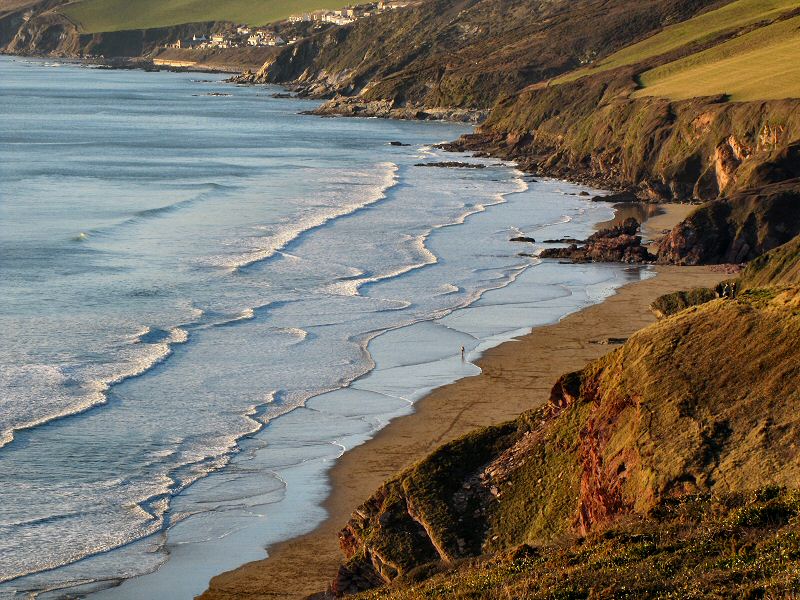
x=516, y=376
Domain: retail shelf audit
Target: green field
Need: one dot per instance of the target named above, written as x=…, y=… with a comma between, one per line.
x=115, y=15
x=701, y=28
x=763, y=64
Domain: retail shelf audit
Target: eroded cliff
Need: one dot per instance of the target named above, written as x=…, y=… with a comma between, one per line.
x=701, y=405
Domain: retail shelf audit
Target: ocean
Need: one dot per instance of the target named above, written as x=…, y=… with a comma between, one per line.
x=207, y=297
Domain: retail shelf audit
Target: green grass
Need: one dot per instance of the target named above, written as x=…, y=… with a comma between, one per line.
x=115, y=15
x=702, y=28
x=670, y=304
x=760, y=65
x=725, y=546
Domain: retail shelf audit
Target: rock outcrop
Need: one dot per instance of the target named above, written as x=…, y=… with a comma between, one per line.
x=652, y=148
x=736, y=229
x=617, y=244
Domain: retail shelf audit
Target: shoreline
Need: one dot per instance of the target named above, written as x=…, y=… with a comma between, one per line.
x=136, y=63
x=520, y=371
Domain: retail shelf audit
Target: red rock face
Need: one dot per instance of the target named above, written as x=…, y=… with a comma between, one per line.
x=602, y=477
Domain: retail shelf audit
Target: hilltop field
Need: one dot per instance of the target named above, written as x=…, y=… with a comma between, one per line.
x=115, y=15
x=752, y=54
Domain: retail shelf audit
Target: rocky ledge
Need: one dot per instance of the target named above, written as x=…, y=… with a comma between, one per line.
x=617, y=244
x=342, y=106
x=452, y=164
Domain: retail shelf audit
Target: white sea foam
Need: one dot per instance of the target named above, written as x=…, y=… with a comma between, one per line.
x=291, y=232
x=341, y=248
x=34, y=386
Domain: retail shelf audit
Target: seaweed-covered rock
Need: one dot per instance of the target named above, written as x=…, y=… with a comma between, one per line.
x=616, y=244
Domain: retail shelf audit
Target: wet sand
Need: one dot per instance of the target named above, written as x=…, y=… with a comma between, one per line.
x=516, y=376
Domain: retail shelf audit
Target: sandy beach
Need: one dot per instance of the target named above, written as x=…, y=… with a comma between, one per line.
x=516, y=376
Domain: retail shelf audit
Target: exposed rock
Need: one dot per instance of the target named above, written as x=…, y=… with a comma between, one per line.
x=452, y=165
x=354, y=578
x=625, y=196
x=342, y=106
x=617, y=244
x=396, y=143
x=522, y=238
x=736, y=229
x=566, y=240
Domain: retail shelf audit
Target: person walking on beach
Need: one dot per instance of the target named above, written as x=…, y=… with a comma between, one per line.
x=462, y=353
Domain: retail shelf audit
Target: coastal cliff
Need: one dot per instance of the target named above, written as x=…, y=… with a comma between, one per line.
x=39, y=29
x=560, y=106
x=462, y=54
x=667, y=466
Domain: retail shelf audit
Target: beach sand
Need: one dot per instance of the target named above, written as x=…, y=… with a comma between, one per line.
x=516, y=376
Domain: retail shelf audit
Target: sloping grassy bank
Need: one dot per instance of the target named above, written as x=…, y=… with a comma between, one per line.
x=96, y=16
x=667, y=468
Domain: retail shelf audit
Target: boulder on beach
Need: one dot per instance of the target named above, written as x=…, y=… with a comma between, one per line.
x=616, y=244
x=452, y=165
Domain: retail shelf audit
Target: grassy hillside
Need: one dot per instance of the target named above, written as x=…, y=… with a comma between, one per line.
x=116, y=15
x=698, y=30
x=734, y=546
x=467, y=53
x=9, y=5
x=762, y=64
x=665, y=469
x=779, y=268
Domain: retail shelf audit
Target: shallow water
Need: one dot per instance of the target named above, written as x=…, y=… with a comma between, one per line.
x=225, y=295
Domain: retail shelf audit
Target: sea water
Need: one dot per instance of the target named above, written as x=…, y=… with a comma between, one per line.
x=207, y=297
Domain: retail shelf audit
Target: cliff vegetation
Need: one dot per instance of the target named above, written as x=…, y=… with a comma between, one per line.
x=668, y=468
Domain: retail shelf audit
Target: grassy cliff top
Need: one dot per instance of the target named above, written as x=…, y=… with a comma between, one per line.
x=761, y=64
x=700, y=29
x=734, y=546
x=116, y=15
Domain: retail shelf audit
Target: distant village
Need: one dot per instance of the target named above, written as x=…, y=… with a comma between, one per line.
x=243, y=36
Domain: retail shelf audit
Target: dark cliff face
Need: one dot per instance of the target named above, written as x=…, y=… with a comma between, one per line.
x=467, y=53
x=39, y=30
x=694, y=149
x=736, y=229
x=641, y=428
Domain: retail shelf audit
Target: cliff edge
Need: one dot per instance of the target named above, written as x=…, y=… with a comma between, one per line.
x=668, y=465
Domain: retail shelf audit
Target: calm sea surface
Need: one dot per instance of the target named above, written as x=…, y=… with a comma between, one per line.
x=205, y=299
